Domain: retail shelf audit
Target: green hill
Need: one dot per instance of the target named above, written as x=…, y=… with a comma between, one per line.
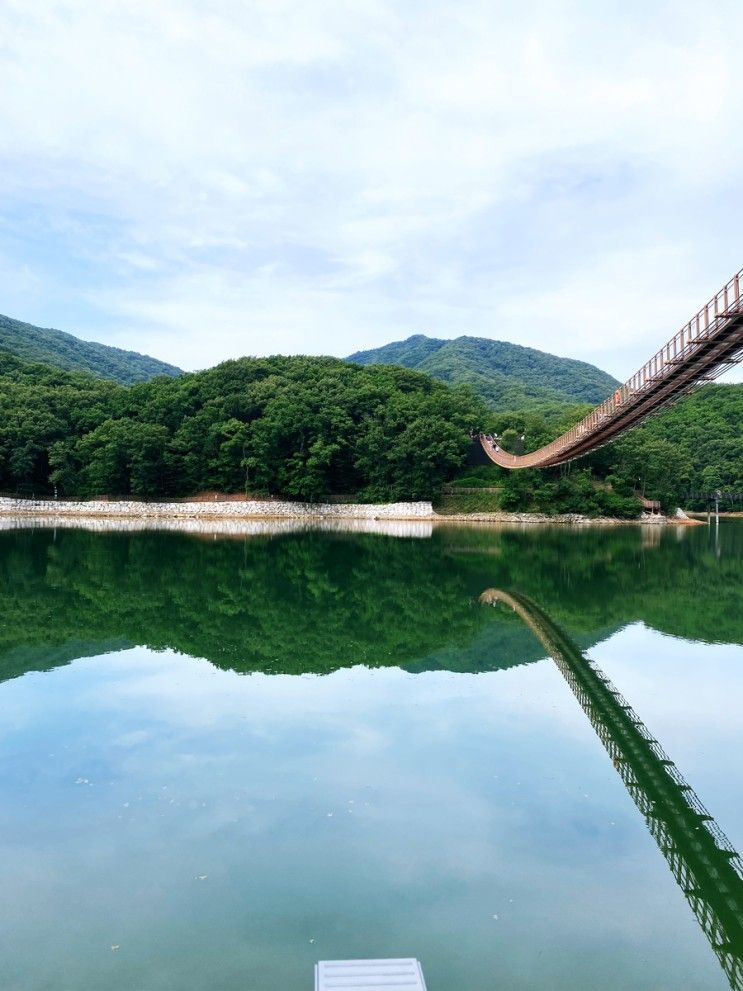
x=300, y=427
x=54, y=347
x=507, y=376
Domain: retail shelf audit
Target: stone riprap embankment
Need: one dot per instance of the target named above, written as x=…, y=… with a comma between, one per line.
x=253, y=509
x=254, y=516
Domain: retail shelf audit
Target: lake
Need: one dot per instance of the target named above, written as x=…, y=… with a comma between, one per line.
x=226, y=757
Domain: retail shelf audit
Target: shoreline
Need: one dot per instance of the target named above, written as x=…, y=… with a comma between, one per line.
x=560, y=519
x=252, y=514
x=702, y=515
x=247, y=510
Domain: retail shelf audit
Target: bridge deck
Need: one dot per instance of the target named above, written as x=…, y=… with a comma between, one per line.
x=704, y=347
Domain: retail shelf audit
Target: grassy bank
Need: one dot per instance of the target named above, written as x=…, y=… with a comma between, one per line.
x=552, y=492
x=454, y=503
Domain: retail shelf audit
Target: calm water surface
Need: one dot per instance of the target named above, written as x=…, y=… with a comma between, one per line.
x=225, y=759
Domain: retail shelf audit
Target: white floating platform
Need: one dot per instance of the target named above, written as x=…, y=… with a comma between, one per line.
x=369, y=975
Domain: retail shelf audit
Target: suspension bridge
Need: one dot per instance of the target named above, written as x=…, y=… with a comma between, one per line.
x=702, y=860
x=706, y=346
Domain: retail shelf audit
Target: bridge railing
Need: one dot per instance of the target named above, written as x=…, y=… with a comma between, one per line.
x=728, y=301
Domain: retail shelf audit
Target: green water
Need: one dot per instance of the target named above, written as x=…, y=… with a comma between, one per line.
x=223, y=759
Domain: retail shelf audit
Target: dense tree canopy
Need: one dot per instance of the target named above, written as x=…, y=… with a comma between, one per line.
x=299, y=427
x=692, y=448
x=305, y=428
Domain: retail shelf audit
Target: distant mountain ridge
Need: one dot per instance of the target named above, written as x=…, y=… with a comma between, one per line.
x=508, y=376
x=54, y=347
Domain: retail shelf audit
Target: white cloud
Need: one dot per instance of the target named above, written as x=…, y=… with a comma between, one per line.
x=204, y=181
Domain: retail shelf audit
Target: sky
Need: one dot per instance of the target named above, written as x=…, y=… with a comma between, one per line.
x=200, y=181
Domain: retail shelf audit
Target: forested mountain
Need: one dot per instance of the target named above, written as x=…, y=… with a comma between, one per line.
x=306, y=428
x=507, y=376
x=298, y=427
x=54, y=347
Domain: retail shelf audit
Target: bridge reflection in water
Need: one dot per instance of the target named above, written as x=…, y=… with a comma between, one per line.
x=701, y=858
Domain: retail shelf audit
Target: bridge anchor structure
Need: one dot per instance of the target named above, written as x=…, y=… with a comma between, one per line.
x=703, y=862
x=710, y=343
